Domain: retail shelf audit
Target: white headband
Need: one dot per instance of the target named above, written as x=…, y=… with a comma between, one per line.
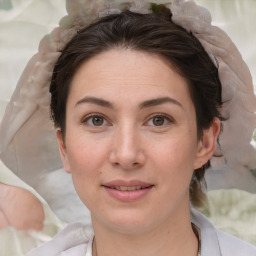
x=27, y=137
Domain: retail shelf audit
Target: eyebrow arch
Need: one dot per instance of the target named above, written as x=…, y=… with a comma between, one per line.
x=159, y=101
x=96, y=101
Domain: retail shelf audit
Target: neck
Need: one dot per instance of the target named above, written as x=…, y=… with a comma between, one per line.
x=173, y=237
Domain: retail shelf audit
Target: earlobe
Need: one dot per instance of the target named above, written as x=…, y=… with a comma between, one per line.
x=62, y=149
x=207, y=144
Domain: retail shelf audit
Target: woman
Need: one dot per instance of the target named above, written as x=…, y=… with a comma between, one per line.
x=136, y=102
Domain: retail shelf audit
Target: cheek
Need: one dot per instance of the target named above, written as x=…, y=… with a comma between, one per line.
x=174, y=161
x=86, y=155
x=86, y=163
x=179, y=151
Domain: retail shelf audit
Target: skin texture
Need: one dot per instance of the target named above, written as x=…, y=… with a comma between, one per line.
x=20, y=209
x=129, y=144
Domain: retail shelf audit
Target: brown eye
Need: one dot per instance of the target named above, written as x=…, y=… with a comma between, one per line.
x=158, y=120
x=97, y=121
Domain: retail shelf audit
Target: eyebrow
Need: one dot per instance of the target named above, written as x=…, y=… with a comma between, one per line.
x=145, y=104
x=159, y=101
x=96, y=101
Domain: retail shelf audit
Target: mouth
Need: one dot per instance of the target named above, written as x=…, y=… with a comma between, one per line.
x=127, y=191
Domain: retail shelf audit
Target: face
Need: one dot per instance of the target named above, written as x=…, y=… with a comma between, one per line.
x=131, y=140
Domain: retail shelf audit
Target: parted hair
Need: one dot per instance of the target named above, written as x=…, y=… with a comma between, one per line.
x=152, y=33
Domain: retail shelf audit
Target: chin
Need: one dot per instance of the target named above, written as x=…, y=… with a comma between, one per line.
x=127, y=222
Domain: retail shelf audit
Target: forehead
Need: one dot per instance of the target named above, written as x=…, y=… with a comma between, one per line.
x=126, y=73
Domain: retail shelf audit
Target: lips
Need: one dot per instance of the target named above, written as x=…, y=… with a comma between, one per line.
x=127, y=191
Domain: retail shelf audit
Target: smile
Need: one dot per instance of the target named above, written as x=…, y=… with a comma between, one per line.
x=127, y=191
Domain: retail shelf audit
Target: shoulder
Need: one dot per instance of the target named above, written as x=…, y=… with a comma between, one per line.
x=231, y=245
x=74, y=240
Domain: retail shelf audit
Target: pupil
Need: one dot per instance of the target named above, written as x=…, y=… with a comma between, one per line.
x=97, y=121
x=158, y=121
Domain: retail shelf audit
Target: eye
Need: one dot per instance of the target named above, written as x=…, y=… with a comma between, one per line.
x=159, y=120
x=95, y=120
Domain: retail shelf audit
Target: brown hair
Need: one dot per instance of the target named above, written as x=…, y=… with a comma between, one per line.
x=153, y=33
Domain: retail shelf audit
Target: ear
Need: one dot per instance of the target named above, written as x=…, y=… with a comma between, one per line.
x=207, y=144
x=63, y=151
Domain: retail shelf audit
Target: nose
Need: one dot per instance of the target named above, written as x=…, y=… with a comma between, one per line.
x=127, y=149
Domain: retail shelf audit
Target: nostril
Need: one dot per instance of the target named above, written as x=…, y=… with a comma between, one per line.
x=127, y=165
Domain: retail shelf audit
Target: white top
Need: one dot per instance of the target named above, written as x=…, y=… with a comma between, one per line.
x=76, y=240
